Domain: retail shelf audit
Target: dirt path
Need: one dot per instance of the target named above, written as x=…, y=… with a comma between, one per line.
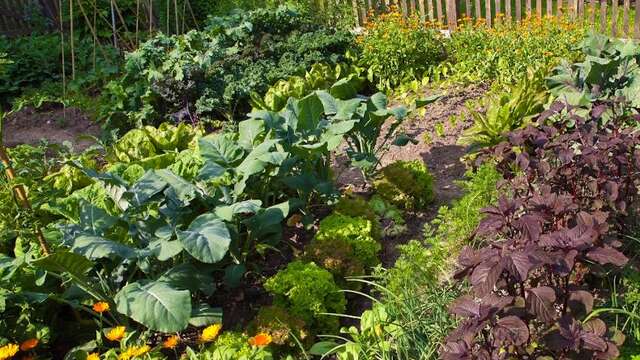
x=437, y=136
x=53, y=124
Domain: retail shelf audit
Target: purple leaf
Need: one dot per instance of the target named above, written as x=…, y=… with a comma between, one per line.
x=607, y=255
x=580, y=302
x=465, y=306
x=539, y=302
x=484, y=277
x=511, y=330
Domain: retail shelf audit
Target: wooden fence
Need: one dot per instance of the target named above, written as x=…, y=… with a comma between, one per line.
x=619, y=18
x=18, y=17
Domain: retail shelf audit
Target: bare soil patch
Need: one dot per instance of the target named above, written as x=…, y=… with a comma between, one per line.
x=437, y=134
x=50, y=123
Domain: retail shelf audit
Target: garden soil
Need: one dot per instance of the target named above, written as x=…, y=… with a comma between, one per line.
x=52, y=124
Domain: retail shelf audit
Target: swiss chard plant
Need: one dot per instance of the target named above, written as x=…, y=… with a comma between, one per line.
x=558, y=230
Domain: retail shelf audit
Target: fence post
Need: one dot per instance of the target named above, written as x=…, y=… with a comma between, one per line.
x=354, y=5
x=614, y=18
x=452, y=18
x=636, y=25
x=625, y=18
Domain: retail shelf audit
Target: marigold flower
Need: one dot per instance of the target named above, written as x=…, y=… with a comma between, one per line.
x=260, y=340
x=116, y=333
x=93, y=356
x=29, y=344
x=101, y=307
x=210, y=333
x=171, y=342
x=7, y=351
x=134, y=351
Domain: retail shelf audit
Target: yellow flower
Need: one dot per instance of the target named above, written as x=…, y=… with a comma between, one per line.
x=260, y=340
x=210, y=333
x=133, y=352
x=29, y=344
x=171, y=342
x=7, y=351
x=101, y=307
x=93, y=356
x=116, y=333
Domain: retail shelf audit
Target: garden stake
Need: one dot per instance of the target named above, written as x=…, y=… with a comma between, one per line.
x=21, y=195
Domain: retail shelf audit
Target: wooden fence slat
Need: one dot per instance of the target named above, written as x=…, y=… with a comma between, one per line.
x=539, y=8
x=593, y=14
x=478, y=10
x=529, y=8
x=452, y=16
x=497, y=3
x=354, y=5
x=614, y=18
x=430, y=10
x=636, y=27
x=488, y=16
x=559, y=8
x=423, y=14
x=403, y=5
x=603, y=16
x=507, y=10
x=549, y=8
x=413, y=7
x=625, y=18
x=581, y=10
x=467, y=9
x=518, y=10
x=439, y=11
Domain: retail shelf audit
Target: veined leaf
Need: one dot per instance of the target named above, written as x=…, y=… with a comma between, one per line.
x=155, y=305
x=207, y=238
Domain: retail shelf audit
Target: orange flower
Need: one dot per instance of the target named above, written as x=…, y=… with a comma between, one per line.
x=29, y=344
x=101, y=307
x=171, y=342
x=210, y=333
x=116, y=333
x=260, y=340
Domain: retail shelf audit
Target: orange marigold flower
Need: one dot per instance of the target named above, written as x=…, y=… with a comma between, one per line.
x=7, y=351
x=210, y=333
x=116, y=333
x=100, y=307
x=260, y=340
x=171, y=342
x=29, y=344
x=93, y=356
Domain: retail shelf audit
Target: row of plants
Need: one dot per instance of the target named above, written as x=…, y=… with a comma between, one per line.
x=566, y=227
x=129, y=225
x=211, y=74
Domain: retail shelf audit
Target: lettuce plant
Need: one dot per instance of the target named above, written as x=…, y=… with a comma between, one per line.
x=406, y=184
x=308, y=291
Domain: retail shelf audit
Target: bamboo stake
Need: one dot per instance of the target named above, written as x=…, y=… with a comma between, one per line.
x=93, y=30
x=64, y=75
x=72, y=41
x=175, y=7
x=137, y=21
x=195, y=22
x=95, y=38
x=113, y=26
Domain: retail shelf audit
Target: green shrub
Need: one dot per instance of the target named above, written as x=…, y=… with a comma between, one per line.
x=230, y=346
x=358, y=232
x=398, y=50
x=283, y=327
x=210, y=74
x=501, y=54
x=356, y=206
x=406, y=184
x=307, y=291
x=507, y=110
